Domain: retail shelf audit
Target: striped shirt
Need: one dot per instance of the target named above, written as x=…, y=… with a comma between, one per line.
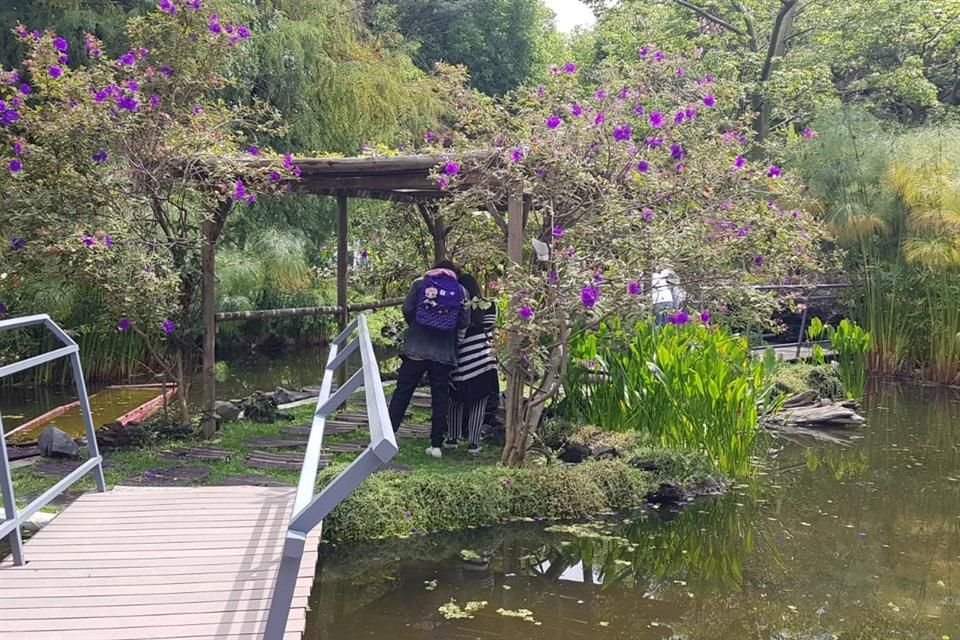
x=475, y=355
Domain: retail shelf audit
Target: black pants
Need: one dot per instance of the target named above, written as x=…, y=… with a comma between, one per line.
x=408, y=377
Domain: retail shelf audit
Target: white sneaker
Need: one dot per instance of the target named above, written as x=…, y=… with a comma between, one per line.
x=435, y=452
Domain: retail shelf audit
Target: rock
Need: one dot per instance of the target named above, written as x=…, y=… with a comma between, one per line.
x=645, y=465
x=821, y=416
x=226, y=411
x=260, y=407
x=709, y=486
x=54, y=443
x=668, y=493
x=286, y=396
x=801, y=399
x=605, y=453
x=118, y=436
x=575, y=453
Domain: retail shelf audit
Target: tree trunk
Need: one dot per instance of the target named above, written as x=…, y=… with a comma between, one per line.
x=516, y=429
x=782, y=28
x=208, y=302
x=183, y=388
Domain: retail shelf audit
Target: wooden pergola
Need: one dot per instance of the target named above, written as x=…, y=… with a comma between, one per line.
x=392, y=178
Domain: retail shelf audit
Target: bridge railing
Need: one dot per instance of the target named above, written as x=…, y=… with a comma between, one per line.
x=310, y=507
x=15, y=518
x=810, y=293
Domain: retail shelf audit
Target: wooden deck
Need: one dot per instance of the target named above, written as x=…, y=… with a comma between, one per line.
x=140, y=563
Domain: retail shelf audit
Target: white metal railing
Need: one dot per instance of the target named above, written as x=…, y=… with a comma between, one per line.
x=14, y=518
x=309, y=507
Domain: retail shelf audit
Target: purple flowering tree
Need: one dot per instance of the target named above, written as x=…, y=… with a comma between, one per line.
x=122, y=172
x=594, y=185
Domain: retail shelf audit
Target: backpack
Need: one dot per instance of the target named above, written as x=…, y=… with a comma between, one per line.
x=439, y=302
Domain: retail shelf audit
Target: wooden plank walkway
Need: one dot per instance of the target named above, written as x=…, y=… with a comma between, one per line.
x=156, y=563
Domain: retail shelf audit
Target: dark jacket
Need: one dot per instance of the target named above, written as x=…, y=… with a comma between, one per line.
x=422, y=343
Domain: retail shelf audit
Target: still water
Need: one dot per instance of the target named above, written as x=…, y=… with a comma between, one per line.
x=861, y=543
x=239, y=376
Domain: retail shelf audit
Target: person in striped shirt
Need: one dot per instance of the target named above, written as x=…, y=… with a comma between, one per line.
x=475, y=377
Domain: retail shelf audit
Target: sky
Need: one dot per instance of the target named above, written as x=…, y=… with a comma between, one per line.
x=570, y=14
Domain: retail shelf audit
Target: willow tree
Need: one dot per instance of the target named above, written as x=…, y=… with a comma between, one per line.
x=122, y=172
x=607, y=182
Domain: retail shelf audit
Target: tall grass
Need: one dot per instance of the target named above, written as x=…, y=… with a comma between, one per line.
x=851, y=344
x=693, y=387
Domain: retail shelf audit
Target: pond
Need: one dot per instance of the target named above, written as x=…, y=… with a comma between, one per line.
x=242, y=375
x=825, y=543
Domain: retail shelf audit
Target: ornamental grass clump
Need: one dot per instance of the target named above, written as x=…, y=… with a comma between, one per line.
x=690, y=386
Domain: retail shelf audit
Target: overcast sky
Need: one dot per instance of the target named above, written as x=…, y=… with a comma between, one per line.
x=570, y=14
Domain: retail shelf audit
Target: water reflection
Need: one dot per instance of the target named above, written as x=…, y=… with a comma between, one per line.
x=855, y=543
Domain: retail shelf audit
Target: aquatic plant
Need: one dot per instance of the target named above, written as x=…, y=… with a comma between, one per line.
x=851, y=344
x=692, y=386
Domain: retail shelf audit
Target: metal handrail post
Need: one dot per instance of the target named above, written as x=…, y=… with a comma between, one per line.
x=309, y=510
x=9, y=501
x=14, y=518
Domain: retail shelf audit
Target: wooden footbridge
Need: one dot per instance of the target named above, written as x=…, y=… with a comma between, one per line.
x=157, y=563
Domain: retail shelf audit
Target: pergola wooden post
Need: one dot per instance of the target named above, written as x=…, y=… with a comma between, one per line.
x=343, y=317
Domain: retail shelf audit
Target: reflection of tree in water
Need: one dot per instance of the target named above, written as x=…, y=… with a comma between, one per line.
x=859, y=543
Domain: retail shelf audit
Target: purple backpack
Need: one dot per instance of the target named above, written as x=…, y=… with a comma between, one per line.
x=439, y=302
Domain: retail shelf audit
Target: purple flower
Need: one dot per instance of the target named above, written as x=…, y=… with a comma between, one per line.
x=553, y=121
x=60, y=44
x=644, y=52
x=253, y=150
x=600, y=94
x=552, y=277
x=168, y=326
x=15, y=165
x=63, y=58
x=576, y=110
x=133, y=85
x=659, y=56
x=643, y=166
x=17, y=147
x=193, y=4
x=154, y=101
x=557, y=231
x=739, y=162
x=166, y=71
x=677, y=152
x=26, y=89
x=622, y=132
x=443, y=182
x=213, y=24
x=654, y=142
x=633, y=288
x=128, y=59
x=599, y=118
x=429, y=136
x=17, y=243
x=123, y=325
x=167, y=6
x=100, y=156
x=705, y=317
x=709, y=100
x=516, y=154
x=451, y=168
x=624, y=93
x=3, y=308
x=808, y=133
x=197, y=110
x=656, y=119
x=129, y=103
x=758, y=261
x=681, y=72
x=589, y=295
x=647, y=214
x=240, y=191
x=569, y=67
x=541, y=90
x=55, y=71
x=679, y=318
x=774, y=171
x=525, y=312
x=89, y=240
x=243, y=32
x=107, y=240
x=274, y=176
x=679, y=117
